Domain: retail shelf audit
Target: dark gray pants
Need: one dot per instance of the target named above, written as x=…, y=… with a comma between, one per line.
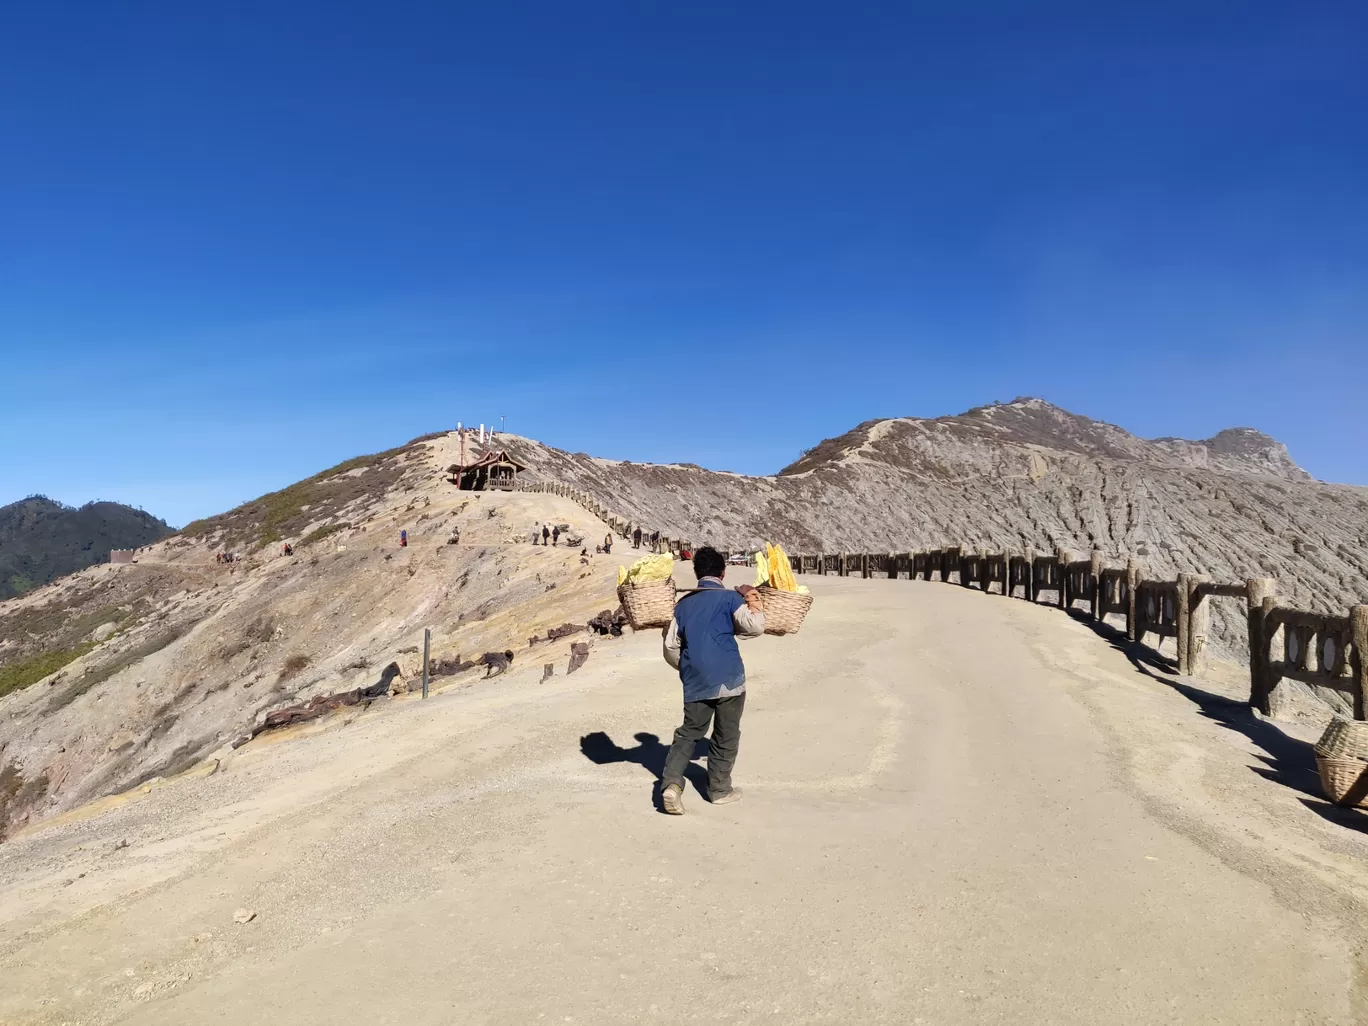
x=725, y=715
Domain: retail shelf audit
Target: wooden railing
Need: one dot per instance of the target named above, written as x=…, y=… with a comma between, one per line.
x=1284, y=644
x=619, y=525
x=1315, y=648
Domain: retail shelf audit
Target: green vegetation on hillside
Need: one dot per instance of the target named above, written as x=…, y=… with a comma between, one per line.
x=284, y=513
x=41, y=540
x=20, y=675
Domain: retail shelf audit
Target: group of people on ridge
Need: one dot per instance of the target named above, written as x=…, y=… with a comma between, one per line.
x=652, y=539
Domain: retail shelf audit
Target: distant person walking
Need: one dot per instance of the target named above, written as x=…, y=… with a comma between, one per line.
x=655, y=542
x=608, y=543
x=555, y=535
x=403, y=539
x=701, y=644
x=636, y=538
x=546, y=533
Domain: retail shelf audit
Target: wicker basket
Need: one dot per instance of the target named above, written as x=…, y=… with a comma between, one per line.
x=1344, y=781
x=649, y=604
x=784, y=610
x=1342, y=762
x=1344, y=739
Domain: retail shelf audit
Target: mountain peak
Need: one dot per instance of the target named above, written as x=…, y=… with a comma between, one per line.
x=946, y=444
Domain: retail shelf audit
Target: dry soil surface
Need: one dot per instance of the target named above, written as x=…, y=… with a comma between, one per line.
x=958, y=809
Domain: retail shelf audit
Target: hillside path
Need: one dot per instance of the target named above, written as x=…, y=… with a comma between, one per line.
x=940, y=825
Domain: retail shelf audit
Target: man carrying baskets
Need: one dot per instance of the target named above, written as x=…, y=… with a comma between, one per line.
x=701, y=644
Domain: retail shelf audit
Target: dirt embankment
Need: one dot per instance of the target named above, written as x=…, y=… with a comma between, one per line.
x=120, y=674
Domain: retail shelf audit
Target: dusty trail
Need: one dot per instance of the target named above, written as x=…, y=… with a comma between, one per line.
x=950, y=817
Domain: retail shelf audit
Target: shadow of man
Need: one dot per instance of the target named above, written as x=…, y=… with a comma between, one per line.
x=649, y=753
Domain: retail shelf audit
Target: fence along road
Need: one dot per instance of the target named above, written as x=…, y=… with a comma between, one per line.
x=957, y=810
x=1326, y=650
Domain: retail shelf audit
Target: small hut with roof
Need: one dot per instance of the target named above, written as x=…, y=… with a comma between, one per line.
x=494, y=469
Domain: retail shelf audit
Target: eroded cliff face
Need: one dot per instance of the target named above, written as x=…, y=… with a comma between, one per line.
x=1018, y=475
x=974, y=440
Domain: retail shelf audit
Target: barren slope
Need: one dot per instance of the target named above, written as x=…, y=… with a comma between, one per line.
x=1023, y=474
x=146, y=669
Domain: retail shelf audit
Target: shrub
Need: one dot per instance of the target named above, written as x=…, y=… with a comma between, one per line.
x=293, y=666
x=18, y=676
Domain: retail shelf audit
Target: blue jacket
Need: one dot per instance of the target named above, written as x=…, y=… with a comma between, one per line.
x=703, y=637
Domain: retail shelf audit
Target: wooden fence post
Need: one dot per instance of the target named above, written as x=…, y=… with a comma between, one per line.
x=1199, y=624
x=1063, y=557
x=427, y=648
x=1030, y=574
x=1097, y=568
x=1132, y=586
x=1358, y=625
x=1275, y=695
x=1181, y=620
x=1256, y=590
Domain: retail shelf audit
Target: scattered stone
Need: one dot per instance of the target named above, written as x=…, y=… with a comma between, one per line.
x=579, y=655
x=243, y=916
x=449, y=666
x=610, y=622
x=496, y=663
x=565, y=630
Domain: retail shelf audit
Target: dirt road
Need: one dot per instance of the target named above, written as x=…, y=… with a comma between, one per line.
x=958, y=809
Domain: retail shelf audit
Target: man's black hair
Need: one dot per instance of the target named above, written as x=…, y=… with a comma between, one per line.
x=708, y=562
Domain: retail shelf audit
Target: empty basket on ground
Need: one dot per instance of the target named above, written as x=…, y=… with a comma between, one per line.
x=648, y=604
x=1342, y=761
x=784, y=610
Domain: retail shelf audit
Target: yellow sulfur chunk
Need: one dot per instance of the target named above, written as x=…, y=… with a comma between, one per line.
x=781, y=572
x=648, y=568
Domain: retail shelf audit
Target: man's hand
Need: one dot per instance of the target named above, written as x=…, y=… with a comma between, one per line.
x=751, y=594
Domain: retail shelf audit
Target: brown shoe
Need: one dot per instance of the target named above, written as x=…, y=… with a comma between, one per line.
x=726, y=797
x=672, y=797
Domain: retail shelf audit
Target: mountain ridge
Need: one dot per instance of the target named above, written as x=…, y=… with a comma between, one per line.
x=1031, y=422
x=42, y=539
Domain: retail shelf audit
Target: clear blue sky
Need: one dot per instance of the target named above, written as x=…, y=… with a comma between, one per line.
x=242, y=242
